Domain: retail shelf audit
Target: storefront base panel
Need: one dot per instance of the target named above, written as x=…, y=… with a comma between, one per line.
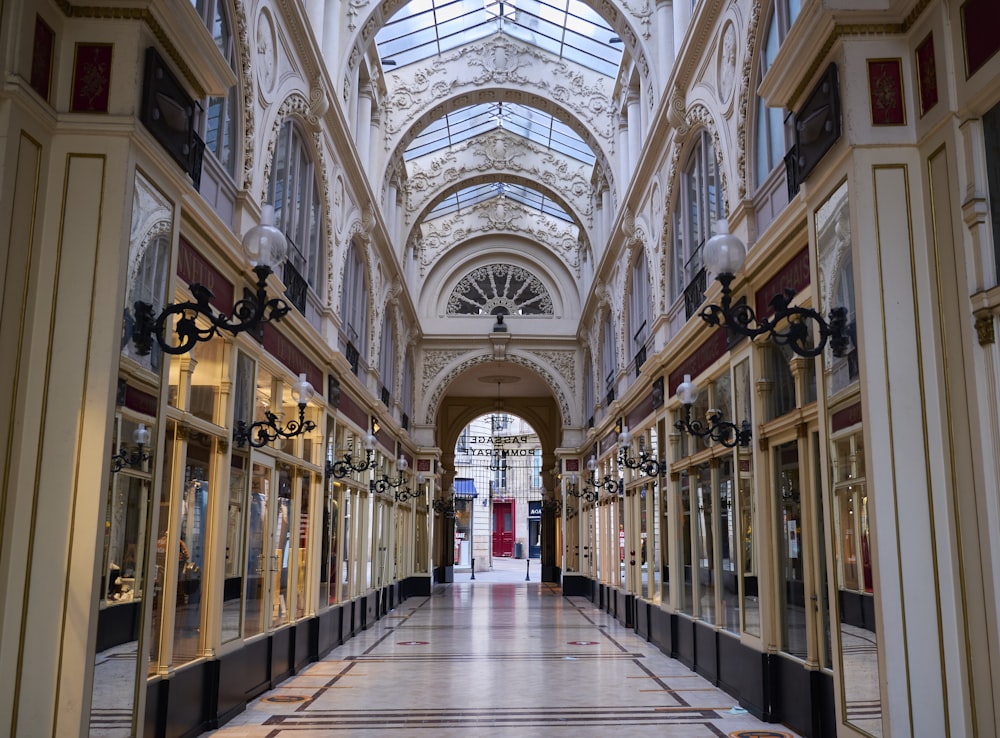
x=746, y=673
x=772, y=688
x=804, y=699
x=550, y=573
x=857, y=609
x=444, y=574
x=211, y=693
x=575, y=585
x=683, y=641
x=624, y=608
x=282, y=649
x=642, y=608
x=415, y=587
x=305, y=641
x=706, y=651
x=329, y=630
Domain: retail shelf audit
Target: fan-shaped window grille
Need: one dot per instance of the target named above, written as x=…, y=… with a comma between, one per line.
x=500, y=289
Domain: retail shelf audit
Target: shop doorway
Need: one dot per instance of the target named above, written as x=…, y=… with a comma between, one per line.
x=503, y=528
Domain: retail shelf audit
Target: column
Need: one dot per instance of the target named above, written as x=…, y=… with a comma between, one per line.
x=362, y=129
x=665, y=38
x=682, y=17
x=634, y=120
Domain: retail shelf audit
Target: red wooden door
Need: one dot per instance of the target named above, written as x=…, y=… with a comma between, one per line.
x=503, y=529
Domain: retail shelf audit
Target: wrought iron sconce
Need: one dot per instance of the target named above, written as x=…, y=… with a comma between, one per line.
x=445, y=505
x=609, y=483
x=721, y=431
x=342, y=467
x=384, y=484
x=645, y=463
x=551, y=504
x=262, y=432
x=403, y=495
x=266, y=246
x=724, y=254
x=125, y=457
x=587, y=493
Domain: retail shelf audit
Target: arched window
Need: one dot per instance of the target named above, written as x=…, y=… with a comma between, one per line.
x=295, y=196
x=406, y=390
x=639, y=307
x=772, y=138
x=387, y=356
x=698, y=206
x=218, y=124
x=148, y=277
x=609, y=362
x=354, y=305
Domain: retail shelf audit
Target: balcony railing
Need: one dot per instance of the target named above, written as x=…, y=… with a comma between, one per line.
x=353, y=357
x=694, y=294
x=295, y=286
x=386, y=397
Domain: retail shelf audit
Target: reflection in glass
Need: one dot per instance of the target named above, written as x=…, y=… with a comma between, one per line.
x=232, y=592
x=160, y=596
x=751, y=600
x=280, y=543
x=346, y=591
x=303, y=538
x=706, y=544
x=791, y=568
x=257, y=558
x=856, y=602
x=729, y=543
x=121, y=590
x=193, y=537
x=686, y=604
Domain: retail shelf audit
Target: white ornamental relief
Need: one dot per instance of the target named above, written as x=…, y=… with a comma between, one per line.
x=267, y=54
x=499, y=61
x=434, y=362
x=504, y=152
x=563, y=362
x=642, y=12
x=438, y=236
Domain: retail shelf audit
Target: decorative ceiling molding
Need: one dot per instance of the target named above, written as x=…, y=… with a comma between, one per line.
x=579, y=97
x=486, y=288
x=439, y=236
x=497, y=152
x=448, y=371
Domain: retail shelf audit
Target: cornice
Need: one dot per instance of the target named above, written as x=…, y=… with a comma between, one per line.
x=181, y=33
x=813, y=35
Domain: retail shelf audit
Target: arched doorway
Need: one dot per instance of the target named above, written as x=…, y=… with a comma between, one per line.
x=498, y=425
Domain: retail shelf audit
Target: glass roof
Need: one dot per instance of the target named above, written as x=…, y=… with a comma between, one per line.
x=466, y=198
x=531, y=123
x=567, y=28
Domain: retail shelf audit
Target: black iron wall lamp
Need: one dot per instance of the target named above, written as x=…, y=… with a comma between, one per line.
x=721, y=431
x=645, y=463
x=342, y=467
x=266, y=246
x=587, y=494
x=262, y=432
x=402, y=495
x=609, y=483
x=126, y=457
x=724, y=254
x=384, y=484
x=445, y=505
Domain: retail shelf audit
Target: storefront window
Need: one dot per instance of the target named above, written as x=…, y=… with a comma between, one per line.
x=302, y=536
x=160, y=595
x=791, y=570
x=193, y=526
x=705, y=541
x=729, y=546
x=686, y=604
x=257, y=555
x=280, y=547
x=232, y=592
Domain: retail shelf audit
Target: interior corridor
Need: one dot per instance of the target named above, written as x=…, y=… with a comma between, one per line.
x=497, y=656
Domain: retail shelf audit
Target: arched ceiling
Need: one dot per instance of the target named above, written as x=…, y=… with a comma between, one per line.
x=499, y=134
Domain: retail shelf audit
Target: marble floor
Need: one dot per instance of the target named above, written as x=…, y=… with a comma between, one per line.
x=498, y=656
